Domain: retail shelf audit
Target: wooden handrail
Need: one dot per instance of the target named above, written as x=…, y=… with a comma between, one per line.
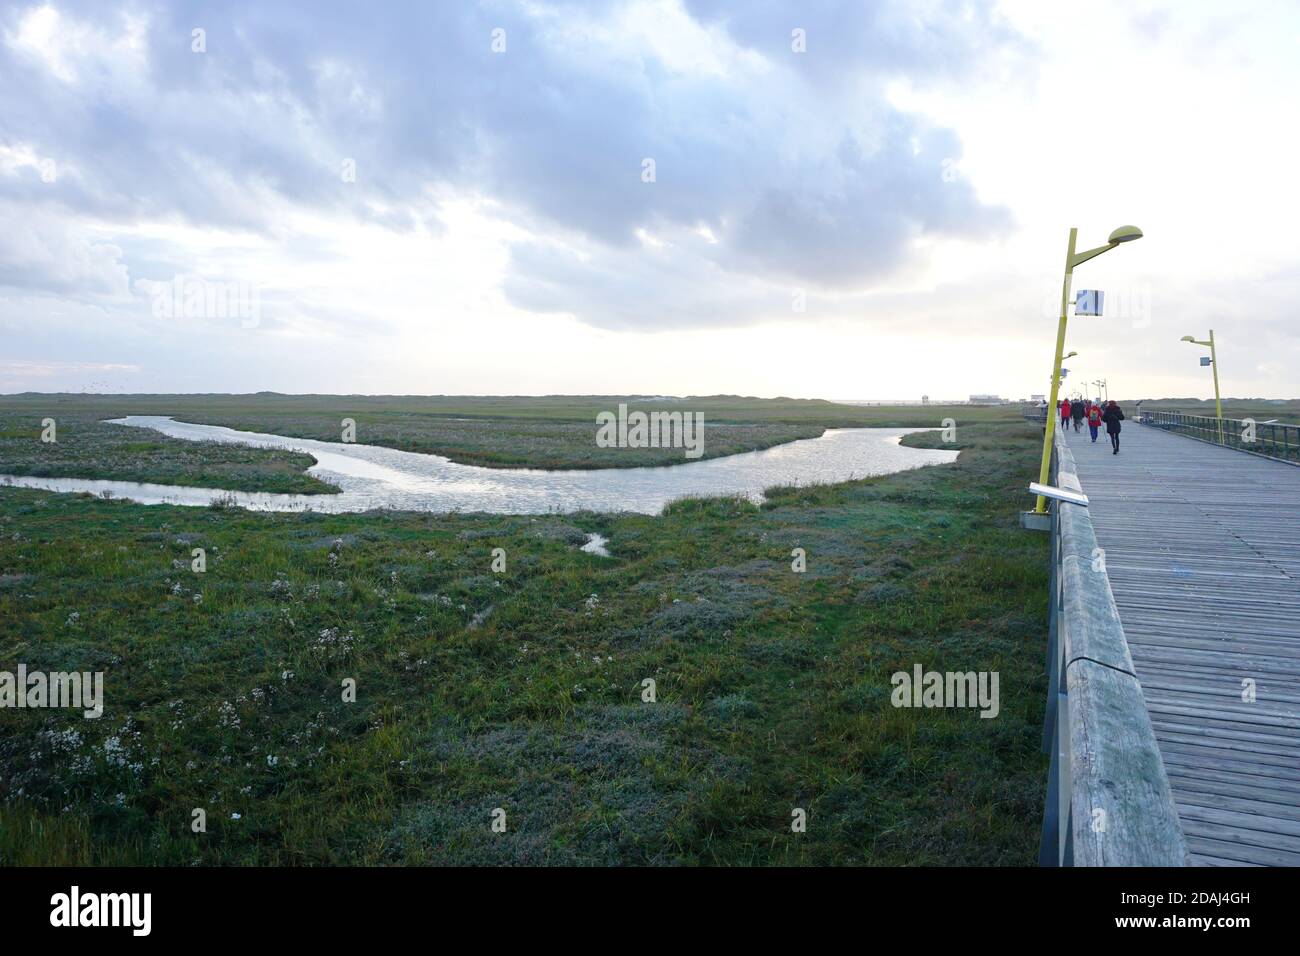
x=1108, y=797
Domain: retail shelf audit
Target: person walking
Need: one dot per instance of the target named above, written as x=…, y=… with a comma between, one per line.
x=1065, y=414
x=1076, y=412
x=1094, y=420
x=1112, y=417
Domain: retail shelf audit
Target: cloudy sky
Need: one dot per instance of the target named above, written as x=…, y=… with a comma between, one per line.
x=813, y=198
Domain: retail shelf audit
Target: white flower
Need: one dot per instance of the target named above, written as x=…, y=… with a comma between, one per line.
x=114, y=752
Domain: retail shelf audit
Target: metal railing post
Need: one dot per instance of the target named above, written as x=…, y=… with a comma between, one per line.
x=1199, y=427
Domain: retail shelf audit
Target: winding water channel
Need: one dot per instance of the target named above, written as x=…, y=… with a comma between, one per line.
x=373, y=477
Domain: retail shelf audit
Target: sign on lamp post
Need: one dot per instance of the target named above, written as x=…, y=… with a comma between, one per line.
x=1089, y=302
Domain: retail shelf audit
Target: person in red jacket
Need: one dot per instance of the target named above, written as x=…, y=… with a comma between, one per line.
x=1094, y=420
x=1065, y=413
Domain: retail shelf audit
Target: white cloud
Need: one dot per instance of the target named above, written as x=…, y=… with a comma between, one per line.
x=73, y=50
x=38, y=250
x=498, y=236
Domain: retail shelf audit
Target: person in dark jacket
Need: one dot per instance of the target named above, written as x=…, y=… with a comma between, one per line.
x=1076, y=412
x=1112, y=417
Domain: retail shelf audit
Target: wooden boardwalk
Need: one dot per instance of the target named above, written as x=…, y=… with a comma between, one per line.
x=1202, y=547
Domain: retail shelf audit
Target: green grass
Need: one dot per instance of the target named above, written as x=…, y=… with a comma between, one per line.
x=86, y=447
x=522, y=690
x=499, y=432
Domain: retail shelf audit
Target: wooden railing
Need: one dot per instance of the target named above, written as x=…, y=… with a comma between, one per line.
x=1108, y=798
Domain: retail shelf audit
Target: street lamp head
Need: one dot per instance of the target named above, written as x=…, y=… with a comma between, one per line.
x=1188, y=338
x=1125, y=234
x=1071, y=355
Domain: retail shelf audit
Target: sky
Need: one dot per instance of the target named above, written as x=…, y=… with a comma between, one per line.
x=846, y=200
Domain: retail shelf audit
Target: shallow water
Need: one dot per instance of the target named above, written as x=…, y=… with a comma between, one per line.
x=375, y=477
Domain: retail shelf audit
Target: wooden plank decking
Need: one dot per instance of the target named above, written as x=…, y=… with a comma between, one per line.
x=1202, y=547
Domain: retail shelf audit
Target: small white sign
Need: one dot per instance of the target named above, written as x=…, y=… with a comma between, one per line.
x=1088, y=302
x=1059, y=494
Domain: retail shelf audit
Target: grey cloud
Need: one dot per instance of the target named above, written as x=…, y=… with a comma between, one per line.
x=854, y=223
x=803, y=171
x=639, y=289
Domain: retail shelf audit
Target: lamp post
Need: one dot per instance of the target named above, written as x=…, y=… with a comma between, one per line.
x=1064, y=372
x=1072, y=259
x=1214, y=364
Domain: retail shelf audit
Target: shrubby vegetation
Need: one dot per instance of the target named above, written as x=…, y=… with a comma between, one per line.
x=87, y=447
x=523, y=690
x=546, y=432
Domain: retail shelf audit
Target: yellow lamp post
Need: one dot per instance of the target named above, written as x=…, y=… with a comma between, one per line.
x=1072, y=259
x=1214, y=364
x=1065, y=371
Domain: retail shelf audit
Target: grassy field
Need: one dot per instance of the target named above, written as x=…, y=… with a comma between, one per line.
x=86, y=447
x=523, y=690
x=507, y=432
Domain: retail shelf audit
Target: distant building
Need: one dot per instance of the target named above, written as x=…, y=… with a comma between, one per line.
x=925, y=399
x=986, y=400
x=1038, y=398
